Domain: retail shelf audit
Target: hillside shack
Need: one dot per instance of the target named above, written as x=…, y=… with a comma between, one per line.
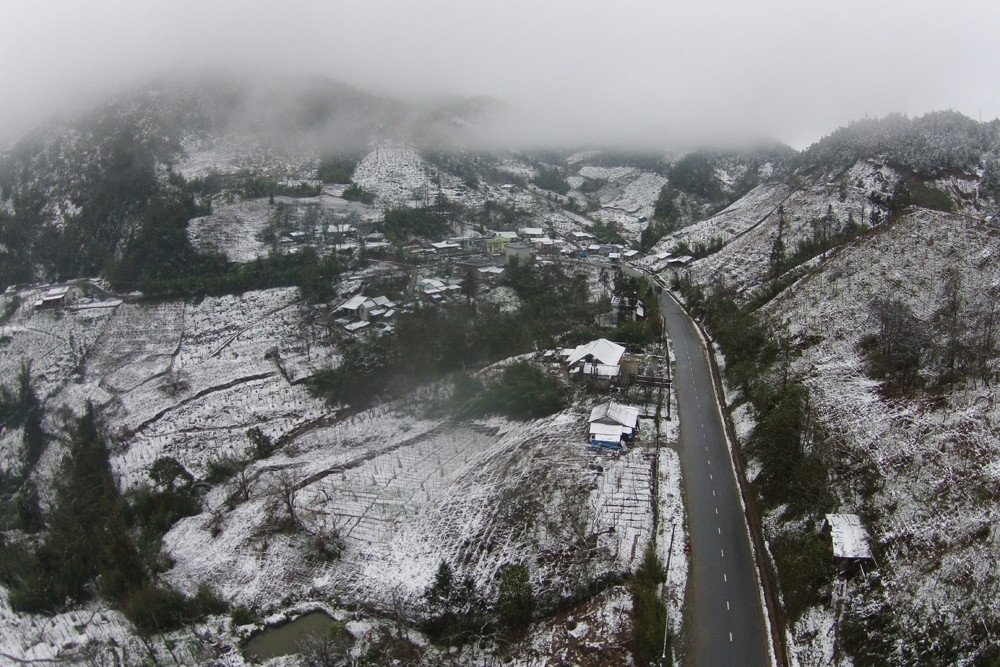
x=850, y=542
x=54, y=297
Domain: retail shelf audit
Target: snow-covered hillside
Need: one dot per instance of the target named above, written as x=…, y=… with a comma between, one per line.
x=931, y=461
x=403, y=491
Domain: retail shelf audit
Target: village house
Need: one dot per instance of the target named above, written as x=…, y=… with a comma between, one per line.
x=626, y=309
x=519, y=253
x=545, y=245
x=598, y=361
x=340, y=230
x=850, y=542
x=54, y=297
x=367, y=309
x=612, y=425
x=447, y=247
x=491, y=274
x=436, y=291
x=498, y=244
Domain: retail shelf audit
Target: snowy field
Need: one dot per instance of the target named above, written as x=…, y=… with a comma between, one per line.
x=242, y=153
x=404, y=492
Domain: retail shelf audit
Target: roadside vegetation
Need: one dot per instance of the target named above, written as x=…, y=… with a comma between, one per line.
x=649, y=614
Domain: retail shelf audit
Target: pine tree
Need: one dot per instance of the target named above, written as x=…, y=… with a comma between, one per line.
x=87, y=533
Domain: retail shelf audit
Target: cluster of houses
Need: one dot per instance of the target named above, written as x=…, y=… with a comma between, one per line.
x=599, y=363
x=532, y=242
x=662, y=261
x=437, y=291
x=360, y=312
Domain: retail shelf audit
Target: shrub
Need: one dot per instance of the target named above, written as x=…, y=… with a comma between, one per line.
x=551, y=179
x=649, y=614
x=524, y=392
x=154, y=609
x=221, y=468
x=896, y=351
x=355, y=192
x=262, y=445
x=327, y=545
x=242, y=616
x=157, y=511
x=206, y=602
x=336, y=169
x=455, y=606
x=401, y=224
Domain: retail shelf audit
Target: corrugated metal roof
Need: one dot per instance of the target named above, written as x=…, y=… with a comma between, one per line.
x=624, y=415
x=602, y=350
x=353, y=303
x=850, y=539
x=354, y=326
x=613, y=430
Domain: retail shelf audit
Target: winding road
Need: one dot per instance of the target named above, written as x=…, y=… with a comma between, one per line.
x=725, y=619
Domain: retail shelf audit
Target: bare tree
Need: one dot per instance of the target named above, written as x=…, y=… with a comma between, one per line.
x=329, y=649
x=897, y=348
x=242, y=481
x=983, y=343
x=173, y=382
x=284, y=492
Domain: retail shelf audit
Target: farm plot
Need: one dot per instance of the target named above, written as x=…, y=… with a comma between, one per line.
x=54, y=341
x=221, y=382
x=479, y=496
x=236, y=229
x=137, y=344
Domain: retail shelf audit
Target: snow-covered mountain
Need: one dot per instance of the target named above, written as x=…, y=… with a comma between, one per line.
x=225, y=180
x=891, y=211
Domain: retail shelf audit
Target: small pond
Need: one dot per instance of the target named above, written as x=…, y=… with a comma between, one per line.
x=286, y=639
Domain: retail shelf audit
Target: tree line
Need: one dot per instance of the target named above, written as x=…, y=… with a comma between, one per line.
x=97, y=540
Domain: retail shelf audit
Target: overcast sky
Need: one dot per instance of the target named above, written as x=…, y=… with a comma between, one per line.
x=791, y=69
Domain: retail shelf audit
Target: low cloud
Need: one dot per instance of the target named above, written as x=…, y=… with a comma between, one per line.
x=640, y=71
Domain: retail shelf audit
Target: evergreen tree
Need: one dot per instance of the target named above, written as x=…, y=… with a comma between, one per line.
x=515, y=598
x=87, y=533
x=777, y=259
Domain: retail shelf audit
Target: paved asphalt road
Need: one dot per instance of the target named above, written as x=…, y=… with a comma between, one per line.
x=725, y=622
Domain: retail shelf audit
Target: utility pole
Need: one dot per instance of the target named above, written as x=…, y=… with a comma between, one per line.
x=666, y=574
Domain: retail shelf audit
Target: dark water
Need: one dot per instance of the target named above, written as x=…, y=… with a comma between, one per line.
x=285, y=639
